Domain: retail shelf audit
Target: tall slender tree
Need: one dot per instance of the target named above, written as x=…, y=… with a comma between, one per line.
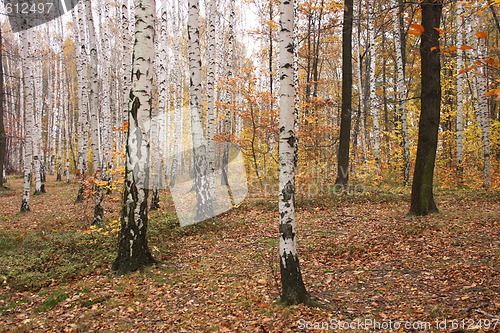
x=345, y=115
x=26, y=48
x=133, y=251
x=422, y=197
x=460, y=94
x=372, y=61
x=401, y=89
x=204, y=204
x=293, y=289
x=94, y=111
x=3, y=136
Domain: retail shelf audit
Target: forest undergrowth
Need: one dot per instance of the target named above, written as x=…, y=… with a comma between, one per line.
x=362, y=260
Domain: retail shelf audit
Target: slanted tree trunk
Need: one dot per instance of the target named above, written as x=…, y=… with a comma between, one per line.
x=293, y=289
x=401, y=90
x=133, y=251
x=422, y=198
x=345, y=115
x=204, y=204
x=26, y=48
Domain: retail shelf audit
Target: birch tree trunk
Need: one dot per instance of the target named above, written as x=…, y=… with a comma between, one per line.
x=37, y=118
x=460, y=94
x=133, y=251
x=3, y=136
x=401, y=90
x=293, y=289
x=373, y=82
x=83, y=124
x=105, y=101
x=359, y=67
x=178, y=104
x=157, y=122
x=227, y=118
x=211, y=95
x=28, y=70
x=94, y=110
x=483, y=114
x=126, y=61
x=204, y=204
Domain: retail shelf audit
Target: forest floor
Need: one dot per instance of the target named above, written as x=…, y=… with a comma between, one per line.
x=363, y=261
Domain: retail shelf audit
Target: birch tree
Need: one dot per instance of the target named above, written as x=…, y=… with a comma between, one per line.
x=401, y=90
x=204, y=208
x=293, y=289
x=82, y=80
x=373, y=82
x=163, y=101
x=93, y=93
x=37, y=119
x=3, y=135
x=27, y=64
x=212, y=16
x=177, y=80
x=133, y=251
x=460, y=93
x=483, y=113
x=227, y=116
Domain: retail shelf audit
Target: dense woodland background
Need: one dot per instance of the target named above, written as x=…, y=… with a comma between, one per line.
x=241, y=86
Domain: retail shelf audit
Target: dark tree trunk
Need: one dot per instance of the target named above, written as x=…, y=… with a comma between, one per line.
x=422, y=199
x=155, y=200
x=3, y=136
x=345, y=117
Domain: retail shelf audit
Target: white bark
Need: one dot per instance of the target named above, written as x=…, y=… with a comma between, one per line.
x=82, y=57
x=229, y=95
x=133, y=253
x=94, y=110
x=204, y=208
x=288, y=245
x=28, y=68
x=483, y=114
x=373, y=82
x=212, y=18
x=37, y=125
x=105, y=101
x=293, y=290
x=126, y=60
x=163, y=100
x=361, y=100
x=460, y=92
x=178, y=101
x=401, y=91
